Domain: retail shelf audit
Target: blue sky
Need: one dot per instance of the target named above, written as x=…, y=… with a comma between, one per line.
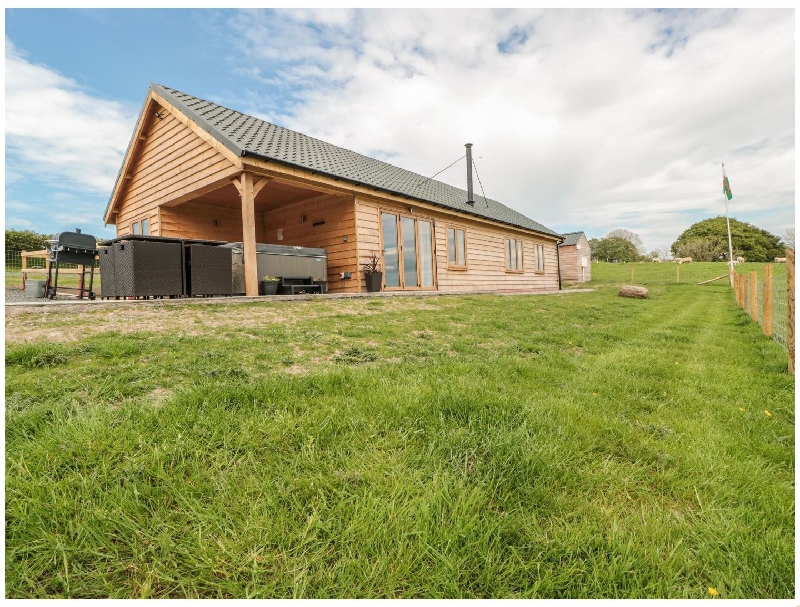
x=581, y=120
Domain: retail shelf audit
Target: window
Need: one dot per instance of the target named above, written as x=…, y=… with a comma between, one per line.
x=514, y=255
x=456, y=249
x=539, y=257
x=135, y=228
x=145, y=226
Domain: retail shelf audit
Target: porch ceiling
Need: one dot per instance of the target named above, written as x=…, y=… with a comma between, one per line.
x=272, y=196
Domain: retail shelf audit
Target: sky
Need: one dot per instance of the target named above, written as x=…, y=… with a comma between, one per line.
x=580, y=119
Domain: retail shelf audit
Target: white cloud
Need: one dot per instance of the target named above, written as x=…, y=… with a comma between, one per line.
x=581, y=119
x=17, y=223
x=58, y=133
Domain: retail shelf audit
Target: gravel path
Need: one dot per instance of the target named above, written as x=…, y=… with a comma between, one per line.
x=14, y=295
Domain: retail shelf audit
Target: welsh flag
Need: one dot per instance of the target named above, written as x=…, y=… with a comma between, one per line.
x=726, y=187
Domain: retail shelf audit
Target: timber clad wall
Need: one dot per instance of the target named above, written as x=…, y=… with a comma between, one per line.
x=196, y=220
x=171, y=161
x=485, y=251
x=571, y=270
x=338, y=214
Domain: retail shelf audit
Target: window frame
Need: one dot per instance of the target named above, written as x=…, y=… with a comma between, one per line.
x=457, y=267
x=538, y=258
x=135, y=228
x=518, y=246
x=399, y=215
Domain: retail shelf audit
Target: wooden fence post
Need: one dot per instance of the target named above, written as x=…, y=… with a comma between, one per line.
x=736, y=287
x=741, y=291
x=678, y=273
x=790, y=307
x=746, y=293
x=767, y=301
x=23, y=267
x=754, y=296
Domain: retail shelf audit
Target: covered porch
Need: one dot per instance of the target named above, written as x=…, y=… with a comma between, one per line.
x=254, y=208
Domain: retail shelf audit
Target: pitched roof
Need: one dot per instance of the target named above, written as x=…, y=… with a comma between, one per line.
x=571, y=238
x=249, y=136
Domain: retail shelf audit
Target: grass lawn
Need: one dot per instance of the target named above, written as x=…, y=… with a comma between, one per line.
x=580, y=445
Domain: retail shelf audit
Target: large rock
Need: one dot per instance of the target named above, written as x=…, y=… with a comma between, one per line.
x=632, y=291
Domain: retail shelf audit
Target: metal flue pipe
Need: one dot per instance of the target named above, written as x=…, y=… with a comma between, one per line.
x=470, y=197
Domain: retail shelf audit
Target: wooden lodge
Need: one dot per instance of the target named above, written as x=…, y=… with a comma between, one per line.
x=194, y=169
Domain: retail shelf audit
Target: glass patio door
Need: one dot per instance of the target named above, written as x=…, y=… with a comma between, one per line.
x=408, y=252
x=391, y=251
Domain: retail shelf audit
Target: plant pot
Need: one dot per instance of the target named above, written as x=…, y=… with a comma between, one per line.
x=268, y=287
x=323, y=284
x=374, y=280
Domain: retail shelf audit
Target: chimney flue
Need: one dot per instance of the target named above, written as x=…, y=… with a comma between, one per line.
x=470, y=197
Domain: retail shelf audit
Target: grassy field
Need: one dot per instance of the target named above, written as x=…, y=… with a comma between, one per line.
x=580, y=445
x=667, y=273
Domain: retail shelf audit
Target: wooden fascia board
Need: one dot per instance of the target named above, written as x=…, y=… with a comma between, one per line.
x=135, y=142
x=323, y=183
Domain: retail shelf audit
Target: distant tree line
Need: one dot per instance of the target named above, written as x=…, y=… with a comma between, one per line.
x=613, y=248
x=706, y=240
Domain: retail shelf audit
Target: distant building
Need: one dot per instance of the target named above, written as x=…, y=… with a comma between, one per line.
x=575, y=258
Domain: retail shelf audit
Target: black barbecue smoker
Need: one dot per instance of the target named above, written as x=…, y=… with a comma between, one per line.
x=75, y=248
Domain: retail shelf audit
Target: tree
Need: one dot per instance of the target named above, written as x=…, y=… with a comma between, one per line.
x=704, y=249
x=709, y=238
x=613, y=248
x=632, y=237
x=25, y=240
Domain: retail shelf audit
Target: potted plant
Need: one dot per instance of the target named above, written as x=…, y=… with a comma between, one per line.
x=268, y=285
x=323, y=283
x=372, y=273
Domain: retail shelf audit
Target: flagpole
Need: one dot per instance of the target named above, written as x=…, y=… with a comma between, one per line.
x=728, y=222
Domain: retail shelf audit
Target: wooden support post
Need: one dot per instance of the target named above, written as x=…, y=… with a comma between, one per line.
x=767, y=301
x=249, y=235
x=754, y=296
x=678, y=273
x=790, y=307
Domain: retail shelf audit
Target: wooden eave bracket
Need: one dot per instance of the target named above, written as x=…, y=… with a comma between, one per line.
x=257, y=186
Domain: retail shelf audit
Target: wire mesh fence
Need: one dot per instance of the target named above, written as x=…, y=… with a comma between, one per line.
x=780, y=311
x=13, y=261
x=776, y=310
